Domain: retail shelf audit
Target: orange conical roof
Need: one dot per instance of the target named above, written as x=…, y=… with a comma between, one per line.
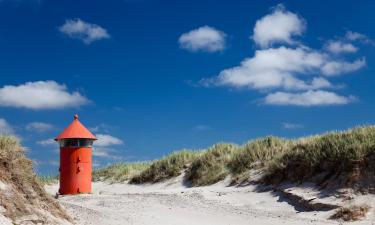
x=75, y=130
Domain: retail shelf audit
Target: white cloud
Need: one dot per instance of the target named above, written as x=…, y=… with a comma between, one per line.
x=278, y=27
x=284, y=68
x=105, y=140
x=340, y=67
x=100, y=128
x=204, y=38
x=309, y=98
x=202, y=127
x=298, y=74
x=87, y=32
x=277, y=68
x=338, y=47
x=40, y=95
x=47, y=142
x=102, y=147
x=354, y=36
x=105, y=153
x=291, y=126
x=101, y=152
x=39, y=126
x=5, y=127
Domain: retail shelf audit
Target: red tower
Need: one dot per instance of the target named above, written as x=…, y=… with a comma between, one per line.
x=75, y=158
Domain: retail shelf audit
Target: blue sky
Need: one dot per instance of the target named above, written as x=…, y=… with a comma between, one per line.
x=150, y=76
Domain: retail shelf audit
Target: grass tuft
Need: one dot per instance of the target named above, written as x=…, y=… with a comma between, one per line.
x=212, y=165
x=119, y=172
x=167, y=167
x=255, y=154
x=331, y=153
x=48, y=179
x=352, y=213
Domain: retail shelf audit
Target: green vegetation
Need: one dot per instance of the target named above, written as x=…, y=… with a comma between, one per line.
x=48, y=179
x=212, y=165
x=167, y=167
x=316, y=158
x=119, y=172
x=331, y=153
x=256, y=154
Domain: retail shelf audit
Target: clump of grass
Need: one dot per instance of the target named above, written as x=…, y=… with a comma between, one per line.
x=331, y=153
x=119, y=172
x=26, y=195
x=352, y=213
x=167, y=167
x=48, y=179
x=257, y=153
x=212, y=165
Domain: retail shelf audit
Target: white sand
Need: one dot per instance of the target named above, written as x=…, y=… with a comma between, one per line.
x=4, y=220
x=171, y=203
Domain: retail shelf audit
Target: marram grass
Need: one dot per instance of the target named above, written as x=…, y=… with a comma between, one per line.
x=212, y=165
x=119, y=172
x=281, y=159
x=167, y=167
x=330, y=152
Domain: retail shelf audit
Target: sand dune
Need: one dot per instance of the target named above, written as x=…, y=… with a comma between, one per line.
x=172, y=203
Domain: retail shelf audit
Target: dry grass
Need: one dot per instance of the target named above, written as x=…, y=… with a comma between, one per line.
x=48, y=179
x=256, y=154
x=25, y=194
x=211, y=166
x=120, y=172
x=167, y=167
x=349, y=154
x=332, y=153
x=352, y=213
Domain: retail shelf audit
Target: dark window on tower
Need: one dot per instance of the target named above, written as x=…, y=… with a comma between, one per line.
x=76, y=142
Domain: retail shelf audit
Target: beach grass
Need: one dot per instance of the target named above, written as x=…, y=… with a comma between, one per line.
x=278, y=159
x=119, y=172
x=212, y=165
x=167, y=167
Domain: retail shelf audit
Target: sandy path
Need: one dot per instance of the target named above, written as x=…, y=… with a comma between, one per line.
x=171, y=203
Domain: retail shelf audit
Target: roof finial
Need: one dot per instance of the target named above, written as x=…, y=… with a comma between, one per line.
x=75, y=117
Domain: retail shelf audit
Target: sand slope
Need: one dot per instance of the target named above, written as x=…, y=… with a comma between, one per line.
x=171, y=203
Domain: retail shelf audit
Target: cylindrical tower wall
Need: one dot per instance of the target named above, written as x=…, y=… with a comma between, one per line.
x=75, y=170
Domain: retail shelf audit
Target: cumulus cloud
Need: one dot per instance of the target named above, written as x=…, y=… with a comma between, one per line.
x=332, y=68
x=308, y=98
x=291, y=126
x=103, y=147
x=47, y=142
x=39, y=126
x=355, y=36
x=278, y=27
x=5, y=127
x=277, y=68
x=284, y=68
x=105, y=140
x=103, y=152
x=338, y=47
x=87, y=32
x=296, y=74
x=201, y=127
x=205, y=38
x=40, y=95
